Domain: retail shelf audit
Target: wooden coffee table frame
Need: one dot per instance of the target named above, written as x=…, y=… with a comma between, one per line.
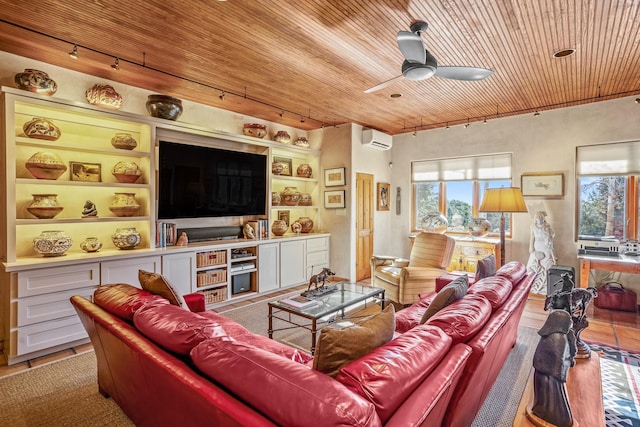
x=355, y=293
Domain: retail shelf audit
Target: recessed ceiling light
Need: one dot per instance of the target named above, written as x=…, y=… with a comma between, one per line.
x=563, y=52
x=395, y=95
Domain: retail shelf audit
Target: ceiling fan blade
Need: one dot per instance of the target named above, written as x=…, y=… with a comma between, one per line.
x=383, y=84
x=462, y=73
x=411, y=46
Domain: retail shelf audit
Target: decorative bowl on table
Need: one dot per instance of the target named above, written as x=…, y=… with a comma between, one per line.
x=104, y=96
x=44, y=165
x=256, y=130
x=164, y=106
x=479, y=227
x=35, y=81
x=40, y=128
x=126, y=172
x=434, y=222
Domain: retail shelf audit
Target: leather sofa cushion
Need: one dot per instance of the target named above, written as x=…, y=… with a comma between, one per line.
x=288, y=393
x=496, y=289
x=123, y=300
x=462, y=319
x=450, y=293
x=157, y=284
x=389, y=374
x=275, y=347
x=514, y=271
x=411, y=316
x=338, y=346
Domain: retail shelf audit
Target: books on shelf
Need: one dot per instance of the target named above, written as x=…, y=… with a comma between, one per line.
x=260, y=228
x=166, y=234
x=299, y=302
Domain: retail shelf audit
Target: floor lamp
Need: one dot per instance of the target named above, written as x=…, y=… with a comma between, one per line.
x=503, y=200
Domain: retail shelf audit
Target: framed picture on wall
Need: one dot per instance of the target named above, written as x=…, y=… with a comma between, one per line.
x=82, y=171
x=285, y=216
x=543, y=184
x=334, y=199
x=383, y=196
x=334, y=177
x=281, y=166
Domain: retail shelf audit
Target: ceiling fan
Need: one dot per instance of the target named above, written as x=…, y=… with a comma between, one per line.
x=419, y=64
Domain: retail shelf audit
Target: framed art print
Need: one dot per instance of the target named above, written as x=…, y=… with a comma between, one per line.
x=281, y=166
x=334, y=199
x=544, y=184
x=334, y=177
x=88, y=172
x=383, y=196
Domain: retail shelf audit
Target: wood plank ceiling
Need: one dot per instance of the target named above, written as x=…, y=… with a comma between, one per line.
x=312, y=59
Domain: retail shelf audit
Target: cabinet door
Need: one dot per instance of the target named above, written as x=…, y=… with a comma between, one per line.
x=126, y=270
x=292, y=263
x=55, y=279
x=43, y=308
x=268, y=267
x=180, y=271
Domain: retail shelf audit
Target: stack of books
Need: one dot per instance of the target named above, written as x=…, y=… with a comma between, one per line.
x=166, y=234
x=299, y=302
x=260, y=228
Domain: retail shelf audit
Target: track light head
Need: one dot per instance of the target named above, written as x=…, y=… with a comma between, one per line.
x=281, y=113
x=301, y=119
x=116, y=64
x=536, y=114
x=74, y=52
x=221, y=96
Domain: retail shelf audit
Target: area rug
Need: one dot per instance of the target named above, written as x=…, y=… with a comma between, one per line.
x=620, y=370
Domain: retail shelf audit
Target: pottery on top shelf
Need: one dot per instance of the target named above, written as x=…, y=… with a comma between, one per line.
x=301, y=142
x=46, y=165
x=282, y=137
x=164, y=106
x=40, y=128
x=256, y=130
x=36, y=81
x=104, y=96
x=127, y=172
x=44, y=206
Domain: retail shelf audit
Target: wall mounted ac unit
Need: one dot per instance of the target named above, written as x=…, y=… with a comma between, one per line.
x=376, y=139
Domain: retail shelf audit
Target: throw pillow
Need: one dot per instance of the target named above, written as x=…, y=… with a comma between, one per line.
x=486, y=267
x=338, y=346
x=157, y=284
x=450, y=293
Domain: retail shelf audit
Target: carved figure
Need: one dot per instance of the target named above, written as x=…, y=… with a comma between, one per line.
x=247, y=231
x=321, y=277
x=541, y=255
x=183, y=240
x=89, y=209
x=552, y=359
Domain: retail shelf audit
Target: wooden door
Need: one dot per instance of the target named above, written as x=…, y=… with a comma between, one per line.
x=364, y=224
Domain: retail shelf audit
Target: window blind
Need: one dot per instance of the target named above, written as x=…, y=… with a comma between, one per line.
x=493, y=166
x=620, y=158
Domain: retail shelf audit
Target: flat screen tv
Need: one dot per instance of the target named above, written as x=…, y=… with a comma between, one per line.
x=199, y=182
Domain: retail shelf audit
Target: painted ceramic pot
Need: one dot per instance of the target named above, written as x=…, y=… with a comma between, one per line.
x=479, y=227
x=127, y=172
x=282, y=137
x=52, y=243
x=290, y=196
x=304, y=171
x=40, y=128
x=301, y=142
x=279, y=227
x=306, y=224
x=124, y=204
x=164, y=106
x=277, y=168
x=36, y=81
x=435, y=222
x=124, y=141
x=104, y=96
x=305, y=200
x=91, y=244
x=44, y=206
x=296, y=227
x=126, y=238
x=46, y=165
x=256, y=130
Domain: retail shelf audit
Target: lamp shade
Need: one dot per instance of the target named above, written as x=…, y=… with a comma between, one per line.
x=503, y=199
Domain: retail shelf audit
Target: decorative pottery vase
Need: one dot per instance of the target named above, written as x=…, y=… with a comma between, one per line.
x=275, y=198
x=91, y=244
x=279, y=227
x=306, y=223
x=46, y=165
x=296, y=227
x=35, y=81
x=434, y=222
x=127, y=172
x=305, y=200
x=44, y=206
x=164, y=106
x=301, y=142
x=104, y=96
x=479, y=227
x=282, y=137
x=277, y=168
x=304, y=171
x=124, y=141
x=124, y=204
x=290, y=196
x=256, y=130
x=126, y=238
x=52, y=243
x=40, y=128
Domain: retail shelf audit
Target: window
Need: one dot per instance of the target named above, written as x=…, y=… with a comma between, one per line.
x=608, y=190
x=455, y=187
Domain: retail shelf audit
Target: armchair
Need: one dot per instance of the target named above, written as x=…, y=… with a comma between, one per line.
x=430, y=256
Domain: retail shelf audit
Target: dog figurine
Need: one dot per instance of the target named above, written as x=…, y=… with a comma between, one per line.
x=321, y=277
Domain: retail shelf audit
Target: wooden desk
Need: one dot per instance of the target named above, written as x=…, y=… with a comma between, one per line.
x=584, y=390
x=592, y=262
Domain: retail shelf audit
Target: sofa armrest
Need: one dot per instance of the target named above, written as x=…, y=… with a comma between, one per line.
x=195, y=302
x=378, y=260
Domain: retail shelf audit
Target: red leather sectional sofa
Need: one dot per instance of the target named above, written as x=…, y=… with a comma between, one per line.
x=164, y=365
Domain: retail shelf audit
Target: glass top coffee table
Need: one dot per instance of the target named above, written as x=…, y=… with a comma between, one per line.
x=347, y=295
